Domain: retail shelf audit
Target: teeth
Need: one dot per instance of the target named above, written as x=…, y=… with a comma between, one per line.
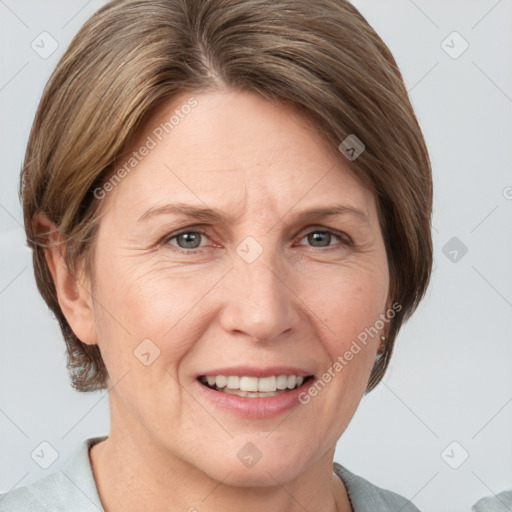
x=248, y=384
x=249, y=394
x=253, y=386
x=267, y=384
x=233, y=382
x=282, y=382
x=221, y=381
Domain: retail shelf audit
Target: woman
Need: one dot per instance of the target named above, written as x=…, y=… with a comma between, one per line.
x=229, y=206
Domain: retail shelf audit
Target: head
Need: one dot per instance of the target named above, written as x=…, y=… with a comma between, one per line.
x=159, y=107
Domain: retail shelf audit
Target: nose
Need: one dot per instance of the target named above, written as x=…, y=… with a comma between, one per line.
x=259, y=300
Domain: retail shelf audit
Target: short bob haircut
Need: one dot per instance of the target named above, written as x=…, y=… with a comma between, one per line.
x=321, y=57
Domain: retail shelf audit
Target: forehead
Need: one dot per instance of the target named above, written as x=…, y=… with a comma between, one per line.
x=231, y=147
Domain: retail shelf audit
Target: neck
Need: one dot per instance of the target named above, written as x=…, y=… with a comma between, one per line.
x=131, y=479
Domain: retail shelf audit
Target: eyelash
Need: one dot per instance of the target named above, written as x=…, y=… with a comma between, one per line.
x=346, y=241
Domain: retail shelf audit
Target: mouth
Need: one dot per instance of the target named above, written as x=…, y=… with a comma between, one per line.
x=254, y=387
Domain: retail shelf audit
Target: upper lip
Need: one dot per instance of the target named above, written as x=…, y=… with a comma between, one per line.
x=253, y=371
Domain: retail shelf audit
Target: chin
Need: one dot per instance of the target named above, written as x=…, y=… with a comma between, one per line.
x=262, y=477
x=262, y=473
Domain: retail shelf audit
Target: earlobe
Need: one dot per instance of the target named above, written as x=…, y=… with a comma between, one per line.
x=384, y=334
x=382, y=346
x=73, y=291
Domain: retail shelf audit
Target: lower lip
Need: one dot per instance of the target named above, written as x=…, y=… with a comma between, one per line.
x=265, y=407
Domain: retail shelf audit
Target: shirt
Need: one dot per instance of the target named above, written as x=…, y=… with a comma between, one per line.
x=73, y=489
x=502, y=502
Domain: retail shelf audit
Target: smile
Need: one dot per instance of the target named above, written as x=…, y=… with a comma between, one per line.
x=253, y=387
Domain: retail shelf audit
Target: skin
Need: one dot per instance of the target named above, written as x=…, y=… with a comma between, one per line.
x=300, y=303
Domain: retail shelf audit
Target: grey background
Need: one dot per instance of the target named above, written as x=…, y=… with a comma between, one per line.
x=450, y=380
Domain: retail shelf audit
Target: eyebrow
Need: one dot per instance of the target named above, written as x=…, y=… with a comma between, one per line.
x=216, y=216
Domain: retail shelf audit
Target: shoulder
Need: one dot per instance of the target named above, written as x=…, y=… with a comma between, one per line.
x=49, y=493
x=366, y=497
x=502, y=502
x=71, y=489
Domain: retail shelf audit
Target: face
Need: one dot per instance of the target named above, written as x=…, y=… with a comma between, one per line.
x=216, y=261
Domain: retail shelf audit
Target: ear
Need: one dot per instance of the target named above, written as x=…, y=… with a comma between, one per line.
x=385, y=331
x=73, y=292
x=382, y=347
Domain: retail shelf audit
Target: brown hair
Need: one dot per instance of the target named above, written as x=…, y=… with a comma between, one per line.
x=132, y=55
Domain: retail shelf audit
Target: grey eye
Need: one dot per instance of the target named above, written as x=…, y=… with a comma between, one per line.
x=319, y=238
x=189, y=239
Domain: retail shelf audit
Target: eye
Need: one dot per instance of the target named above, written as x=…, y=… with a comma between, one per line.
x=187, y=239
x=324, y=237
x=193, y=240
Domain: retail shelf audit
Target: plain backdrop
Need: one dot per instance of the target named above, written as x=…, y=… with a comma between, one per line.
x=438, y=429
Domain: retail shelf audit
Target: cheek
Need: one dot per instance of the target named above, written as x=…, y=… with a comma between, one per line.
x=139, y=301
x=347, y=302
